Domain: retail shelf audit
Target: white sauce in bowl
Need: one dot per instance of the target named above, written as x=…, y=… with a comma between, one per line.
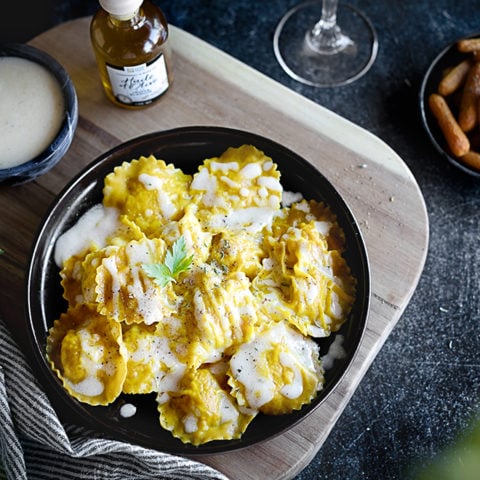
x=31, y=110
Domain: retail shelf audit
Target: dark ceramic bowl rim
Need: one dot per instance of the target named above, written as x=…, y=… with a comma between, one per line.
x=55, y=151
x=83, y=191
x=448, y=57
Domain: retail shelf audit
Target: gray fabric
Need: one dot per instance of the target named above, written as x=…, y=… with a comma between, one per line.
x=35, y=445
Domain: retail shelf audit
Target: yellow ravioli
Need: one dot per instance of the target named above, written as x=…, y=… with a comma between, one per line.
x=238, y=252
x=197, y=239
x=303, y=280
x=151, y=359
x=239, y=190
x=86, y=351
x=148, y=191
x=310, y=211
x=277, y=372
x=200, y=411
x=225, y=311
x=79, y=271
x=71, y=280
x=125, y=292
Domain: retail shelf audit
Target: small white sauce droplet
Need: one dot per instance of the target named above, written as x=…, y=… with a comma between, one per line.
x=128, y=410
x=335, y=352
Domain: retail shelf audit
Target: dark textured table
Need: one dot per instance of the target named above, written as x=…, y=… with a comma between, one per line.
x=424, y=386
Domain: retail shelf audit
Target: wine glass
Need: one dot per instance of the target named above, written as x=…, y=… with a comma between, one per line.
x=316, y=50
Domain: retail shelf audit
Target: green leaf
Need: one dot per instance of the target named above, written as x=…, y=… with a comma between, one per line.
x=176, y=261
x=159, y=272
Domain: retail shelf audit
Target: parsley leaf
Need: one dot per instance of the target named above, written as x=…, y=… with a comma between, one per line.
x=176, y=262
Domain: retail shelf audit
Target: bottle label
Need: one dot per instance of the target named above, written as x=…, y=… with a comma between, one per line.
x=139, y=84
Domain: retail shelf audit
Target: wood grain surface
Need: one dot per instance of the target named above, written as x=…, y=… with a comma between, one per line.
x=211, y=88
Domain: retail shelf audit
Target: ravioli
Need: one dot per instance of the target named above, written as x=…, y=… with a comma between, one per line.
x=238, y=252
x=277, y=372
x=224, y=310
x=151, y=360
x=240, y=190
x=86, y=351
x=125, y=292
x=303, y=279
x=200, y=411
x=79, y=270
x=148, y=191
x=198, y=240
x=205, y=290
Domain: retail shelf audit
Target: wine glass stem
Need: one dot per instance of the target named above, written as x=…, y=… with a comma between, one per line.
x=329, y=13
x=326, y=36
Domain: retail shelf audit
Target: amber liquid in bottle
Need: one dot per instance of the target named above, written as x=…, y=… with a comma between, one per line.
x=132, y=55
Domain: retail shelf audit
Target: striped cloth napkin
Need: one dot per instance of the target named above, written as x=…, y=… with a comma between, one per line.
x=35, y=445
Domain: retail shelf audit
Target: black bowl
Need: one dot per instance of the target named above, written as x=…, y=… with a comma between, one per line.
x=447, y=58
x=185, y=148
x=46, y=160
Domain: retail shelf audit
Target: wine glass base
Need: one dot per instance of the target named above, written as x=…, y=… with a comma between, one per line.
x=307, y=64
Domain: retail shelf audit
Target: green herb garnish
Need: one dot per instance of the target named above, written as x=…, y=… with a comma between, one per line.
x=176, y=262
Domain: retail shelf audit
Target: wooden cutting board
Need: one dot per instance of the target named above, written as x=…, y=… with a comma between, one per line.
x=211, y=88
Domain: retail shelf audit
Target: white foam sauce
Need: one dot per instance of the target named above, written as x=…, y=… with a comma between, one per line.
x=90, y=387
x=31, y=110
x=293, y=389
x=250, y=219
x=335, y=352
x=190, y=423
x=151, y=182
x=92, y=361
x=259, y=389
x=207, y=183
x=93, y=228
x=288, y=198
x=128, y=410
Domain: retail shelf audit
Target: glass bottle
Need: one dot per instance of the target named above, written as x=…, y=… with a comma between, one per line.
x=129, y=39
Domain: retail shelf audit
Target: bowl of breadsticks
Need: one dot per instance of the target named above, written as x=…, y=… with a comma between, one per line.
x=450, y=103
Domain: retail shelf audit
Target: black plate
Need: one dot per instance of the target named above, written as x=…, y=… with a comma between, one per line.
x=447, y=58
x=185, y=148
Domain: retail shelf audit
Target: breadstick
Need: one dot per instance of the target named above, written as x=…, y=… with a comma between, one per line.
x=454, y=136
x=467, y=115
x=454, y=78
x=472, y=159
x=468, y=45
x=475, y=135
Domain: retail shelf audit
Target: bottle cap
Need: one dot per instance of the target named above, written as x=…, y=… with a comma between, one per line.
x=121, y=8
